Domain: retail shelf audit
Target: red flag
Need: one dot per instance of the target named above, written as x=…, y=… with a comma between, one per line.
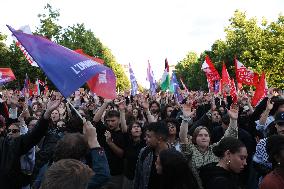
x=105, y=80
x=36, y=88
x=6, y=75
x=233, y=91
x=245, y=75
x=80, y=51
x=45, y=89
x=211, y=73
x=240, y=86
x=260, y=91
x=225, y=77
x=183, y=85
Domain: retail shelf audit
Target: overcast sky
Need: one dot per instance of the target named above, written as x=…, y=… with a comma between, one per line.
x=137, y=31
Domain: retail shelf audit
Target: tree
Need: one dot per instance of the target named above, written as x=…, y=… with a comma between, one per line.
x=189, y=69
x=73, y=37
x=48, y=24
x=4, y=50
x=259, y=46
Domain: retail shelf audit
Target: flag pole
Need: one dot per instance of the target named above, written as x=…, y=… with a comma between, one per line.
x=71, y=105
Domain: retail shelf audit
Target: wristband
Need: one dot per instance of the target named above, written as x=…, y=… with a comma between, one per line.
x=186, y=119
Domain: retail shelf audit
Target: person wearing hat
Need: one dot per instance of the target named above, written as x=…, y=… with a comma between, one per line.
x=261, y=163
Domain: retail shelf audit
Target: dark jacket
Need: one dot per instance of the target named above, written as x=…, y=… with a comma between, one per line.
x=143, y=168
x=100, y=167
x=47, y=146
x=250, y=144
x=11, y=150
x=213, y=177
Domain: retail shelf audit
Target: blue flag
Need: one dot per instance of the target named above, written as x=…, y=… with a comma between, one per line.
x=134, y=85
x=174, y=87
x=150, y=78
x=67, y=69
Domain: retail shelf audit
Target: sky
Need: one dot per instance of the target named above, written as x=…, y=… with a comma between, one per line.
x=138, y=31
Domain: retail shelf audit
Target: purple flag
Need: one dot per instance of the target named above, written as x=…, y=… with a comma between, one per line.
x=67, y=69
x=134, y=85
x=150, y=78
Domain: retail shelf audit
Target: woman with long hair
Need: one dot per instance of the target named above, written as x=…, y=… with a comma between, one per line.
x=135, y=143
x=175, y=173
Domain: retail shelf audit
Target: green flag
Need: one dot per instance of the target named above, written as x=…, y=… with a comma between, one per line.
x=165, y=82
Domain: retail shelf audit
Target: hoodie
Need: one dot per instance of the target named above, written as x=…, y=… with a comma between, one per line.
x=213, y=177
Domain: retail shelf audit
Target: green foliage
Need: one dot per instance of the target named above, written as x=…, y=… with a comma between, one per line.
x=73, y=37
x=141, y=89
x=258, y=45
x=189, y=69
x=48, y=24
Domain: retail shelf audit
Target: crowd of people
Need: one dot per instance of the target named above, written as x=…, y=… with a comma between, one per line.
x=204, y=141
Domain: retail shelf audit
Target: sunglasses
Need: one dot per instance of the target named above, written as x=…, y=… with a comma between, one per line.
x=13, y=130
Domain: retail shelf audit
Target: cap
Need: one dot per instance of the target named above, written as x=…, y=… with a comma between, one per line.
x=279, y=117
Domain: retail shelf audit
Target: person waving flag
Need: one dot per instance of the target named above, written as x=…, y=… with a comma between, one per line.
x=67, y=69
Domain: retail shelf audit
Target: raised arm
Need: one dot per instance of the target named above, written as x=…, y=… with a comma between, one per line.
x=265, y=114
x=100, y=112
x=123, y=124
x=233, y=125
x=186, y=121
x=30, y=139
x=145, y=106
x=99, y=161
x=232, y=130
x=204, y=120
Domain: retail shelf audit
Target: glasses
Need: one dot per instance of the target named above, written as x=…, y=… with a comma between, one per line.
x=13, y=130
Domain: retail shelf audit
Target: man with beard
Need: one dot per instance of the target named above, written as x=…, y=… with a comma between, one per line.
x=112, y=140
x=155, y=110
x=146, y=176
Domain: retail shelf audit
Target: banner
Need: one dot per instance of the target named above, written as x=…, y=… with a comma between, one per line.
x=6, y=75
x=67, y=69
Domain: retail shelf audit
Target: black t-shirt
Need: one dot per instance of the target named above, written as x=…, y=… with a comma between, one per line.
x=115, y=162
x=131, y=153
x=154, y=180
